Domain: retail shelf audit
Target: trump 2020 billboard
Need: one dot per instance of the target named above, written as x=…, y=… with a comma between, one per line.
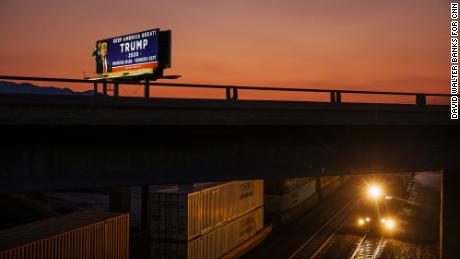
x=128, y=55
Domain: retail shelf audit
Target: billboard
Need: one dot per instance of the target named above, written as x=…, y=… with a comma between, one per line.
x=128, y=55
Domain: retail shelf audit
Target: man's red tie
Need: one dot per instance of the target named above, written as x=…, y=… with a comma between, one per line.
x=105, y=66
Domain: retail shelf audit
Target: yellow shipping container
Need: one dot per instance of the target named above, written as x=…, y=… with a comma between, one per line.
x=214, y=244
x=183, y=212
x=282, y=202
x=83, y=234
x=326, y=180
x=284, y=185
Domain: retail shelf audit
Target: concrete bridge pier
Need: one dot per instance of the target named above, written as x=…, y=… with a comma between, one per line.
x=120, y=201
x=450, y=214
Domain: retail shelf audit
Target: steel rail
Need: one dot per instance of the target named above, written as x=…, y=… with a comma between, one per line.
x=376, y=251
x=378, y=248
x=358, y=246
x=312, y=237
x=316, y=253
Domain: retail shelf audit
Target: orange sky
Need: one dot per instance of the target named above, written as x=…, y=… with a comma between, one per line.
x=388, y=45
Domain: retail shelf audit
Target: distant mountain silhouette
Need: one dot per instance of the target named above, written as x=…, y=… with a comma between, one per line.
x=26, y=88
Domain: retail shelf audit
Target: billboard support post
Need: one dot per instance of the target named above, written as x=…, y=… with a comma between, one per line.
x=104, y=88
x=115, y=89
x=147, y=88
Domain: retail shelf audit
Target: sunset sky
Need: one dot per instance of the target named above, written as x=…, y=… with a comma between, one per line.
x=388, y=45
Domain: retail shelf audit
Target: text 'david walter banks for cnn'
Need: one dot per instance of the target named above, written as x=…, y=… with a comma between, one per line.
x=454, y=61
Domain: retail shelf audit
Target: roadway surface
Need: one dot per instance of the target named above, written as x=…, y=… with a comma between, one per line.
x=329, y=231
x=29, y=109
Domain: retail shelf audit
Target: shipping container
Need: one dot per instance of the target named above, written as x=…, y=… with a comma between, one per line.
x=183, y=212
x=83, y=234
x=249, y=244
x=79, y=200
x=281, y=202
x=332, y=185
x=326, y=180
x=345, y=178
x=215, y=243
x=284, y=185
x=286, y=216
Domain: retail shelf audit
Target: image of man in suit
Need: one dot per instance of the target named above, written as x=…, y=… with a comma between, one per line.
x=102, y=64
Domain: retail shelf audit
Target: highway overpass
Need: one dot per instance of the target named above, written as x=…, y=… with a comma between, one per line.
x=74, y=142
x=59, y=142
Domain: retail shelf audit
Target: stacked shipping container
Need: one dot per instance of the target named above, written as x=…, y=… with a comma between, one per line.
x=84, y=234
x=204, y=220
x=327, y=180
x=329, y=184
x=215, y=243
x=284, y=185
x=286, y=199
x=291, y=198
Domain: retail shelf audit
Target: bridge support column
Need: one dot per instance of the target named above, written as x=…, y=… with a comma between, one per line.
x=450, y=213
x=120, y=199
x=420, y=99
x=231, y=93
x=336, y=97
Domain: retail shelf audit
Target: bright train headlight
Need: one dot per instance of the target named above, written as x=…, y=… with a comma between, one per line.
x=361, y=222
x=389, y=224
x=374, y=191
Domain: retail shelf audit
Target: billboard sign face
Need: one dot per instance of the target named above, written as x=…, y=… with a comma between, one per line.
x=132, y=54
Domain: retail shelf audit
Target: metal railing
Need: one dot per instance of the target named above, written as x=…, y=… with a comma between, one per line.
x=230, y=90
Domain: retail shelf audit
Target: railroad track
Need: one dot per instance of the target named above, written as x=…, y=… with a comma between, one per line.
x=320, y=242
x=324, y=236
x=369, y=247
x=327, y=241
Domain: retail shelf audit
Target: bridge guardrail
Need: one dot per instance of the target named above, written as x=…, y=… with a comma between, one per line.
x=230, y=90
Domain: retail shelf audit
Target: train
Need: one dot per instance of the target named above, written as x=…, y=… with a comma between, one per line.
x=380, y=201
